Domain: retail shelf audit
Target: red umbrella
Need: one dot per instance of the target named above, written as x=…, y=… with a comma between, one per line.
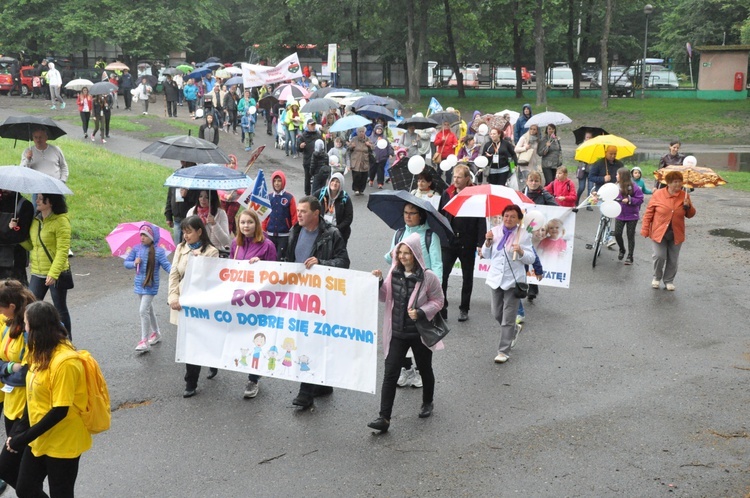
x=483, y=201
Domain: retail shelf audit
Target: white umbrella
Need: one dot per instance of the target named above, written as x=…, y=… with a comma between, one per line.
x=513, y=115
x=29, y=181
x=79, y=84
x=233, y=70
x=545, y=118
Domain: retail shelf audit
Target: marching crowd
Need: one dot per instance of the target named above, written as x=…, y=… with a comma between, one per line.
x=42, y=411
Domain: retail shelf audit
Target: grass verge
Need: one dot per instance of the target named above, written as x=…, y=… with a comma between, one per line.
x=109, y=189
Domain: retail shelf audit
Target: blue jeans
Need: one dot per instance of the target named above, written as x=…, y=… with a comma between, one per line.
x=291, y=139
x=39, y=288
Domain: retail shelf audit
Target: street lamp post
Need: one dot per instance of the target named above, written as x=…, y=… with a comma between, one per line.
x=648, y=9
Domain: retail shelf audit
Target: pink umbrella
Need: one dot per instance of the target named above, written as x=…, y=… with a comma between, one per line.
x=289, y=92
x=483, y=201
x=126, y=236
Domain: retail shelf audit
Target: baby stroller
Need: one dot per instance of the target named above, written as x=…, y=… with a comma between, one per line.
x=280, y=136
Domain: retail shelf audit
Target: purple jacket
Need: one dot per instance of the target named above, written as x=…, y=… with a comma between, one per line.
x=265, y=250
x=631, y=210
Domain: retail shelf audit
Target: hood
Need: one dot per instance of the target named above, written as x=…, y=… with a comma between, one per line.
x=341, y=192
x=51, y=65
x=637, y=168
x=414, y=241
x=281, y=175
x=320, y=146
x=527, y=106
x=378, y=127
x=157, y=236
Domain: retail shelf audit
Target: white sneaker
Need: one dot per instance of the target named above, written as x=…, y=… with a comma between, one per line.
x=654, y=284
x=519, y=328
x=611, y=242
x=501, y=358
x=520, y=319
x=416, y=380
x=154, y=338
x=251, y=390
x=405, y=378
x=670, y=287
x=142, y=346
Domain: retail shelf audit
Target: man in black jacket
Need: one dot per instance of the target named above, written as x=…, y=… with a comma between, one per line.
x=307, y=146
x=15, y=210
x=468, y=236
x=171, y=93
x=313, y=241
x=179, y=202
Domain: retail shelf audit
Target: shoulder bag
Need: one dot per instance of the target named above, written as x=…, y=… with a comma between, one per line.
x=522, y=288
x=432, y=331
x=65, y=279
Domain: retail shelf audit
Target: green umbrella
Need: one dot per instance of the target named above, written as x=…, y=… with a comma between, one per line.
x=185, y=68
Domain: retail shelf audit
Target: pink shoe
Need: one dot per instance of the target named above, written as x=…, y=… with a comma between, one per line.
x=154, y=338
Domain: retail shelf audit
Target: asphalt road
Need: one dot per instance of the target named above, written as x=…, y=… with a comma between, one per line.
x=614, y=389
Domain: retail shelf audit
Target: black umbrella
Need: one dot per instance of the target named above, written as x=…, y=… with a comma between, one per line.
x=375, y=112
x=322, y=92
x=187, y=148
x=212, y=59
x=150, y=79
x=213, y=65
x=403, y=179
x=389, y=207
x=320, y=105
x=102, y=88
x=268, y=102
x=445, y=116
x=393, y=104
x=369, y=100
x=19, y=127
x=418, y=122
x=580, y=133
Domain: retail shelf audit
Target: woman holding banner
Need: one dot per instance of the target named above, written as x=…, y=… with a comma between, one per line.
x=195, y=243
x=411, y=292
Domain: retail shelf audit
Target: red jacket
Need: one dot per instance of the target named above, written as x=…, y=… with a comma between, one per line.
x=80, y=101
x=445, y=143
x=564, y=189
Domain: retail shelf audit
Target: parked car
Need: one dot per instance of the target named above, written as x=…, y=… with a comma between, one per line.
x=505, y=77
x=6, y=80
x=471, y=79
x=442, y=76
x=560, y=78
x=619, y=83
x=662, y=79
x=27, y=77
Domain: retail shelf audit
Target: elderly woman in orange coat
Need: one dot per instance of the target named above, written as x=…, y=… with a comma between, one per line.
x=664, y=224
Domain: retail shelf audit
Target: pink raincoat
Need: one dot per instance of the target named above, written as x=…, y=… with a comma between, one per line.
x=428, y=293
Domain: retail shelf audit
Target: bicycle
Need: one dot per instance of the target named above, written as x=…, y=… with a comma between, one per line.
x=603, y=232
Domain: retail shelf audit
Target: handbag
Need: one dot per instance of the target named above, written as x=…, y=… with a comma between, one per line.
x=437, y=157
x=521, y=290
x=432, y=331
x=151, y=98
x=65, y=279
x=524, y=158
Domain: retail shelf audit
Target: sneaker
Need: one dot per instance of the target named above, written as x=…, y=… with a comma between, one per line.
x=501, y=358
x=629, y=261
x=247, y=149
x=370, y=183
x=519, y=328
x=654, y=284
x=520, y=319
x=104, y=141
x=670, y=287
x=53, y=108
x=404, y=379
x=251, y=390
x=463, y=315
x=589, y=208
x=142, y=346
x=85, y=136
x=154, y=338
x=93, y=138
x=380, y=186
x=621, y=255
x=417, y=379
x=611, y=242
x=62, y=106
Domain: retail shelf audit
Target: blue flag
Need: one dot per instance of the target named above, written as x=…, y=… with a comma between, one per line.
x=434, y=106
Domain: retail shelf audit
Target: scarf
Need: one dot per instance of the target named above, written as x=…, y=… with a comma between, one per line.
x=203, y=213
x=195, y=245
x=506, y=234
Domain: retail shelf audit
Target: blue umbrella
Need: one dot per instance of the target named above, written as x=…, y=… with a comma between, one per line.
x=376, y=112
x=208, y=177
x=237, y=80
x=198, y=73
x=348, y=123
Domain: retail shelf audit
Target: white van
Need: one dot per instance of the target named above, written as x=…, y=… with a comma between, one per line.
x=560, y=78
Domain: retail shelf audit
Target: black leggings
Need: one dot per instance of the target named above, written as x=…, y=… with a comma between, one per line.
x=60, y=472
x=10, y=463
x=549, y=175
x=393, y=363
x=619, y=225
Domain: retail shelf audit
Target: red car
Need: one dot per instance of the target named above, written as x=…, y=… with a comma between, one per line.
x=6, y=80
x=27, y=75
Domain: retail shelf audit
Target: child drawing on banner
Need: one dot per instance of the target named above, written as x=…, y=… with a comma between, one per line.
x=259, y=340
x=304, y=366
x=554, y=244
x=288, y=346
x=243, y=357
x=273, y=353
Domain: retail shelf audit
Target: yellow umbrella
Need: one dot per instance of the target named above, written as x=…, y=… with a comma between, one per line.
x=592, y=150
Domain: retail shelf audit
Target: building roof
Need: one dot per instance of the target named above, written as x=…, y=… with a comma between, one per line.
x=723, y=48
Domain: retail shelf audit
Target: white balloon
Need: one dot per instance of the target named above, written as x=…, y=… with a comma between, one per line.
x=444, y=165
x=608, y=191
x=690, y=161
x=333, y=160
x=483, y=129
x=382, y=143
x=534, y=219
x=611, y=209
x=452, y=160
x=416, y=165
x=252, y=109
x=481, y=162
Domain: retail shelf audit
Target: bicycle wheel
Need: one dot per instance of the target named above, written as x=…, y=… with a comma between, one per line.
x=599, y=241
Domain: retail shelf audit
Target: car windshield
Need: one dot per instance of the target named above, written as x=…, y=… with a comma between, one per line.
x=506, y=74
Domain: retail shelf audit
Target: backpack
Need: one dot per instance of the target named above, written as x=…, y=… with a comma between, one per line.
x=427, y=237
x=97, y=417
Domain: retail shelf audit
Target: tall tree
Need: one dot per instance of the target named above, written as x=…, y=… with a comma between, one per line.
x=541, y=73
x=605, y=53
x=452, y=49
x=416, y=41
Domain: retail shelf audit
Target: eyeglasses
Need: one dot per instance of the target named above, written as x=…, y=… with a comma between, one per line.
x=411, y=213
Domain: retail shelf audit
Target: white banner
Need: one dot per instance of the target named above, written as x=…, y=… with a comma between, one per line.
x=333, y=63
x=553, y=243
x=288, y=69
x=280, y=320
